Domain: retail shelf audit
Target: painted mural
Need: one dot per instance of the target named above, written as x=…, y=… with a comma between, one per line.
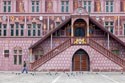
x=49, y=6
x=20, y=6
x=75, y=4
x=97, y=6
x=123, y=5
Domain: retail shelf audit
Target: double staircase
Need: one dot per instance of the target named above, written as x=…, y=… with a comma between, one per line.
x=115, y=58
x=92, y=43
x=51, y=54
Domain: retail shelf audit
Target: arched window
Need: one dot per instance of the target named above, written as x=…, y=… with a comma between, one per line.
x=38, y=53
x=17, y=54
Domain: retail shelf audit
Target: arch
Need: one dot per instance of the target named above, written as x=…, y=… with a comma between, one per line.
x=80, y=61
x=80, y=28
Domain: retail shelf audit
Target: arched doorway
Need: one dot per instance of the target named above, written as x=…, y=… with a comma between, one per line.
x=80, y=61
x=80, y=28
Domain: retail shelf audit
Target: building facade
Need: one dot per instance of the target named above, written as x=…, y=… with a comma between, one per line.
x=62, y=35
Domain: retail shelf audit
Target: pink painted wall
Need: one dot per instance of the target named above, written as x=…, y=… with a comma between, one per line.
x=7, y=63
x=63, y=61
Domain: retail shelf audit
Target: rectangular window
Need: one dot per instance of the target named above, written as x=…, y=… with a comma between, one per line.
x=15, y=59
x=0, y=33
x=9, y=6
x=17, y=32
x=0, y=25
x=20, y=59
x=110, y=26
x=38, y=32
x=57, y=23
x=35, y=6
x=4, y=31
x=15, y=51
x=12, y=32
x=6, y=6
x=124, y=29
x=64, y=6
x=12, y=29
x=67, y=6
x=87, y=5
x=17, y=29
x=6, y=53
x=29, y=32
x=115, y=52
x=109, y=6
x=34, y=25
x=34, y=32
x=22, y=29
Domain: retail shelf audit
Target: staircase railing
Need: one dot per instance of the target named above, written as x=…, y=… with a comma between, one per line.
x=50, y=54
x=107, y=53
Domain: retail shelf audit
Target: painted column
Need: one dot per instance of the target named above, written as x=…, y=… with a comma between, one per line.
x=88, y=28
x=51, y=42
x=30, y=56
x=72, y=30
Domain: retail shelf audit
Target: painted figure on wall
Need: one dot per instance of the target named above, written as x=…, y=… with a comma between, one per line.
x=98, y=6
x=122, y=5
x=49, y=6
x=75, y=4
x=20, y=6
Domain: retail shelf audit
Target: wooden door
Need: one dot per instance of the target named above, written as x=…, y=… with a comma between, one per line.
x=76, y=63
x=84, y=64
x=80, y=62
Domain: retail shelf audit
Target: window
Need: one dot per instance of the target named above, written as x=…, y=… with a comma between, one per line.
x=34, y=29
x=64, y=6
x=17, y=29
x=35, y=6
x=12, y=29
x=6, y=53
x=6, y=6
x=109, y=6
x=87, y=5
x=0, y=29
x=39, y=32
x=124, y=29
x=115, y=52
x=38, y=53
x=29, y=29
x=5, y=29
x=17, y=56
x=15, y=59
x=57, y=23
x=110, y=26
x=22, y=29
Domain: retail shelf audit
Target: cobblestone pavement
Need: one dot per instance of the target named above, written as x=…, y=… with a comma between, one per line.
x=61, y=77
